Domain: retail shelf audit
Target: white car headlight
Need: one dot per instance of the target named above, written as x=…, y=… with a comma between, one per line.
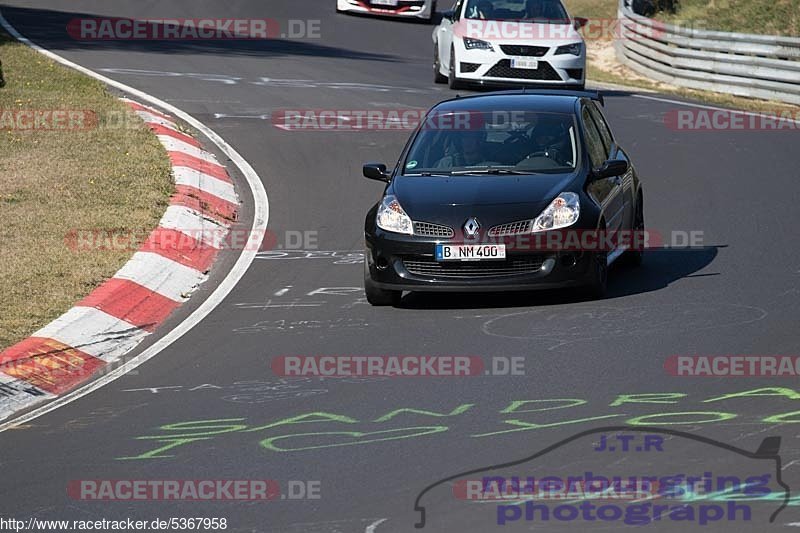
x=562, y=212
x=574, y=49
x=477, y=44
x=392, y=217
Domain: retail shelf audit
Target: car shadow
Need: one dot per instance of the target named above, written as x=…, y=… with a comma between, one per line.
x=661, y=267
x=483, y=89
x=49, y=28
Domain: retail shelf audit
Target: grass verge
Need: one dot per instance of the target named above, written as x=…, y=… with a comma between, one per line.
x=768, y=17
x=111, y=174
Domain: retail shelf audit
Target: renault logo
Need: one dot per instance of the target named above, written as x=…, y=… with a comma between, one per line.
x=471, y=227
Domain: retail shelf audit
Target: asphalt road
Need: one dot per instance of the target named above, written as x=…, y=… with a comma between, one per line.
x=210, y=407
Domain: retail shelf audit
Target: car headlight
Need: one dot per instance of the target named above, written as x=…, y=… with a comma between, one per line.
x=477, y=44
x=574, y=49
x=392, y=217
x=562, y=212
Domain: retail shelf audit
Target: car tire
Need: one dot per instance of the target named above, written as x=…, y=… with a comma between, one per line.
x=452, y=81
x=599, y=276
x=438, y=77
x=635, y=257
x=377, y=296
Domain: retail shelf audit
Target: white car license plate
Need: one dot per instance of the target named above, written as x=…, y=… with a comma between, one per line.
x=529, y=64
x=385, y=3
x=470, y=252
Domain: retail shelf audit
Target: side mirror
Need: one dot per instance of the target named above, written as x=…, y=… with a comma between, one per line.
x=579, y=22
x=449, y=15
x=611, y=168
x=376, y=171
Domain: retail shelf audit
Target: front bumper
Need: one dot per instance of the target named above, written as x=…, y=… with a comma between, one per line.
x=495, y=67
x=404, y=262
x=421, y=9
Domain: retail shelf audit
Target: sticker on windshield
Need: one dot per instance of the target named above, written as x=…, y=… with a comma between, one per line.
x=411, y=164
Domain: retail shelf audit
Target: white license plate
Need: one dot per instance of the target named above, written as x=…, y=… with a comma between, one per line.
x=385, y=2
x=470, y=252
x=529, y=64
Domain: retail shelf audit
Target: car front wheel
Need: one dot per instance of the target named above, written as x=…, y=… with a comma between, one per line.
x=438, y=77
x=635, y=256
x=377, y=296
x=598, y=276
x=451, y=77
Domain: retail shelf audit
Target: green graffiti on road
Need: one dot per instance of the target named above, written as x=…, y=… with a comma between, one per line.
x=331, y=430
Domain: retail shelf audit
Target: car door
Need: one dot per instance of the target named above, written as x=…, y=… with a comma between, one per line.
x=615, y=152
x=606, y=191
x=444, y=38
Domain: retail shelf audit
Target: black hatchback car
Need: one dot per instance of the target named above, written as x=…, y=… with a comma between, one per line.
x=504, y=191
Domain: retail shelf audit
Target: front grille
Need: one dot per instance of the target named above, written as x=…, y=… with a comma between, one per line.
x=523, y=50
x=426, y=229
x=474, y=269
x=469, y=67
x=401, y=3
x=503, y=70
x=513, y=228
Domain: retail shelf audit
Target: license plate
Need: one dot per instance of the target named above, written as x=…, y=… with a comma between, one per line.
x=385, y=3
x=529, y=64
x=470, y=252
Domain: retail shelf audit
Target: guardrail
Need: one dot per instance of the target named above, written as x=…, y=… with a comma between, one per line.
x=756, y=66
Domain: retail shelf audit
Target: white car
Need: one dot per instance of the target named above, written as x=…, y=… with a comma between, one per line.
x=420, y=9
x=509, y=42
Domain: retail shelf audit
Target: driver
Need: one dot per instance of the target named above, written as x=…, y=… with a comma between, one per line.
x=542, y=9
x=480, y=9
x=550, y=139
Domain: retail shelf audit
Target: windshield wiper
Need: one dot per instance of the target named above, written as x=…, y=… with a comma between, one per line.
x=429, y=173
x=490, y=171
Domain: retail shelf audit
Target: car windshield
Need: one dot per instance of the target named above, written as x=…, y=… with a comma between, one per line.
x=507, y=142
x=540, y=11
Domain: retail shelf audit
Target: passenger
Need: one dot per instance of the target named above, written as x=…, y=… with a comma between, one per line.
x=464, y=149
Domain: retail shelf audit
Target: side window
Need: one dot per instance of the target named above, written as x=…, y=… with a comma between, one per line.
x=602, y=127
x=594, y=143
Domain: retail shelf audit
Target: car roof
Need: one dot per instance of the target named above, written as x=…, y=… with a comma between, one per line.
x=559, y=101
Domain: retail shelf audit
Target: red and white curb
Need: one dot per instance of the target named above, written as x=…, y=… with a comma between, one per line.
x=119, y=314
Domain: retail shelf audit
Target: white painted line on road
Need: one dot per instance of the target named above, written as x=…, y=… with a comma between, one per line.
x=245, y=259
x=371, y=528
